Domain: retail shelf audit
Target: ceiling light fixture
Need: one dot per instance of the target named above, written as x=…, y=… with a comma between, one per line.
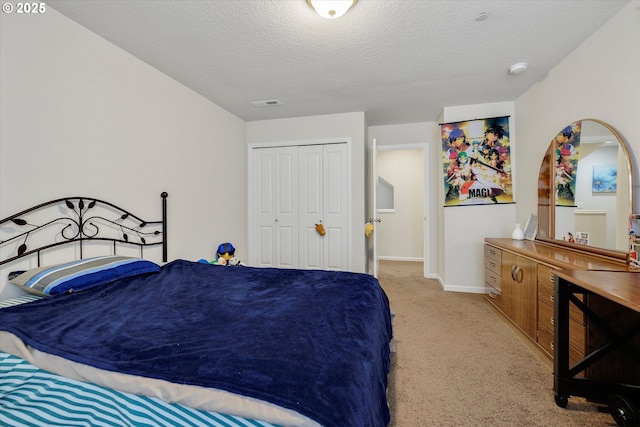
x=518, y=68
x=331, y=9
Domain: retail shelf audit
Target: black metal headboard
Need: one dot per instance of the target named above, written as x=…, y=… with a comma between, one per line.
x=78, y=220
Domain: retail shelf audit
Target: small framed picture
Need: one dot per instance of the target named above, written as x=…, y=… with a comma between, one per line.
x=531, y=229
x=582, y=238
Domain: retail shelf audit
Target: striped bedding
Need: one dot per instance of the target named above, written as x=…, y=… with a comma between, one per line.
x=19, y=300
x=32, y=397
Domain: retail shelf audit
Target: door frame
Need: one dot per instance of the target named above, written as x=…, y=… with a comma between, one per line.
x=425, y=195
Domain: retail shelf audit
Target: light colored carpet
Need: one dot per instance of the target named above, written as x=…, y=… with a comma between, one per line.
x=458, y=363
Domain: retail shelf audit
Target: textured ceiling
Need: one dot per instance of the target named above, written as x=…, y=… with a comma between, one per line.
x=399, y=61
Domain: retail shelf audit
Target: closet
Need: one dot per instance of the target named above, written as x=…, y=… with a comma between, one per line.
x=297, y=191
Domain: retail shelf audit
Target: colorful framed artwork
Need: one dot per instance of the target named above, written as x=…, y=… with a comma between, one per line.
x=604, y=178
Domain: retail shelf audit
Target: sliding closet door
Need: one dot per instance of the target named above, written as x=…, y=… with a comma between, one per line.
x=275, y=188
x=323, y=200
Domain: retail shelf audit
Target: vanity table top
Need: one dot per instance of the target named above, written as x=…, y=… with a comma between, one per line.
x=556, y=256
x=621, y=287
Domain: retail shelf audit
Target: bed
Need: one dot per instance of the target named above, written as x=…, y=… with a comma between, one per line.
x=121, y=340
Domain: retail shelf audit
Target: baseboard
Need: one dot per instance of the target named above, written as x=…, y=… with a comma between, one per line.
x=466, y=289
x=395, y=258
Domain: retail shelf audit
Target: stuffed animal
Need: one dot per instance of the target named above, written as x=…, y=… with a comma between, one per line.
x=225, y=252
x=226, y=255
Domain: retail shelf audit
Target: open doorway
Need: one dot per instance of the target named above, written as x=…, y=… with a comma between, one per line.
x=402, y=231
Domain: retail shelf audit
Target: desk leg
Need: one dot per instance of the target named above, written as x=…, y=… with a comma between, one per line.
x=561, y=341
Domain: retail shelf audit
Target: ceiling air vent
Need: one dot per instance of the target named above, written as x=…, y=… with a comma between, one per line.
x=269, y=103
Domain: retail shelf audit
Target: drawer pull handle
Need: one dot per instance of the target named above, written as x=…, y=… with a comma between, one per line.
x=493, y=295
x=492, y=279
x=552, y=345
x=492, y=265
x=551, y=278
x=492, y=252
x=553, y=321
x=552, y=298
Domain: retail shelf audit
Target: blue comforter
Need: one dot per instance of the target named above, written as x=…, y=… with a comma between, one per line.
x=313, y=341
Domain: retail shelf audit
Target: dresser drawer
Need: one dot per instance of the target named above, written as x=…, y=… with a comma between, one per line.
x=547, y=295
x=576, y=330
x=492, y=260
x=492, y=265
x=545, y=315
x=491, y=252
x=494, y=294
x=546, y=275
x=545, y=340
x=492, y=278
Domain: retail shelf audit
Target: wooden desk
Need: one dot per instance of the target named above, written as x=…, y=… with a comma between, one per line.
x=611, y=368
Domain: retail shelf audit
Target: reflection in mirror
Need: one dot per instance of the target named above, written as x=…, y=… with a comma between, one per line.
x=584, y=191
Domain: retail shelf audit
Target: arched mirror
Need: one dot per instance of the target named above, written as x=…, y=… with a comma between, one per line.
x=585, y=189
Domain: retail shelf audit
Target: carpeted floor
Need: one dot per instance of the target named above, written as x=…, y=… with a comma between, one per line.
x=457, y=363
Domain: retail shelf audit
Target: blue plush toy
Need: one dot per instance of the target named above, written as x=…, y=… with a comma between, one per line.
x=225, y=253
x=226, y=256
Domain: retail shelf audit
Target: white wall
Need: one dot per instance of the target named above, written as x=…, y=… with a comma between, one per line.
x=81, y=117
x=401, y=232
x=598, y=80
x=349, y=127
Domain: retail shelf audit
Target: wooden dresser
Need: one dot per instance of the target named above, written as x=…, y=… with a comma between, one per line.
x=519, y=282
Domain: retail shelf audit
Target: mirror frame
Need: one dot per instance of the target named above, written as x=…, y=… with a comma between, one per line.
x=547, y=202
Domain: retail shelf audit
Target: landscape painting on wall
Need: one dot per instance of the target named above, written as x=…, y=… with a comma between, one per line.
x=476, y=162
